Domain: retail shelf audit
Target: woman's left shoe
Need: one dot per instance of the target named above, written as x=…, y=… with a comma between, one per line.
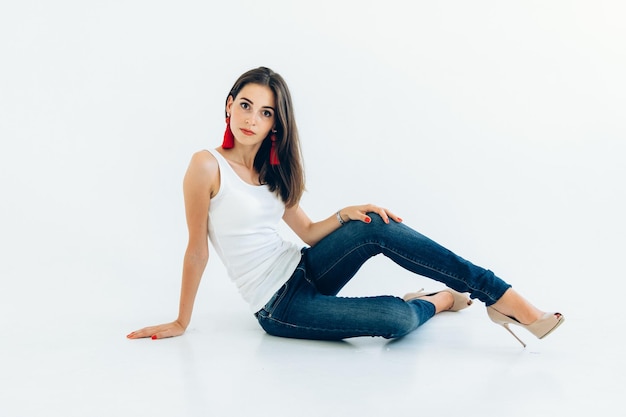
x=461, y=301
x=541, y=327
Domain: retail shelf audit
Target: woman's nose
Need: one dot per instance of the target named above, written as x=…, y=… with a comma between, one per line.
x=250, y=120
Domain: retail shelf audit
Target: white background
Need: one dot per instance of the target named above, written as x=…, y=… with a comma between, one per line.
x=494, y=127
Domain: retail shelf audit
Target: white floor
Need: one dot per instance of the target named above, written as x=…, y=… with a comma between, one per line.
x=68, y=357
x=495, y=128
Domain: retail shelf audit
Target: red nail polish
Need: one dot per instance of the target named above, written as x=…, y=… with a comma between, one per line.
x=367, y=220
x=399, y=220
x=154, y=337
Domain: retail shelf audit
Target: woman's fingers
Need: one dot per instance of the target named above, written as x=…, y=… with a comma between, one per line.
x=158, y=332
x=393, y=216
x=384, y=213
x=138, y=334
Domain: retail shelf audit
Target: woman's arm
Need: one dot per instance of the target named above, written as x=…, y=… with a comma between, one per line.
x=312, y=232
x=200, y=184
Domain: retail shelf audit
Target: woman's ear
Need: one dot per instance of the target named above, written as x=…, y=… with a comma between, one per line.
x=229, y=104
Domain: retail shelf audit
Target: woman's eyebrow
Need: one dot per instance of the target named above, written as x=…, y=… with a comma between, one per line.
x=264, y=107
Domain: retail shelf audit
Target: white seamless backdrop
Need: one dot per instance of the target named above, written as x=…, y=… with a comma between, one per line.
x=496, y=128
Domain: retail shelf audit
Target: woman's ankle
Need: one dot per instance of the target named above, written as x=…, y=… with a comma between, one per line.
x=443, y=301
x=514, y=305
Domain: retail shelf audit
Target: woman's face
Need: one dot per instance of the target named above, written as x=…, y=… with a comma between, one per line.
x=251, y=113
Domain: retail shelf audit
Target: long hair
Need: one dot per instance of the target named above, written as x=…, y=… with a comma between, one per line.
x=287, y=178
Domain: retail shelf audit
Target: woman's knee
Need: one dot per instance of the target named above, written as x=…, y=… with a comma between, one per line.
x=377, y=226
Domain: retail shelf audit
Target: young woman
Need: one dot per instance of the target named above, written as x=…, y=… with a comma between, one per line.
x=236, y=195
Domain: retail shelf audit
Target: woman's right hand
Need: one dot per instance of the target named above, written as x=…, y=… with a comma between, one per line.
x=159, y=332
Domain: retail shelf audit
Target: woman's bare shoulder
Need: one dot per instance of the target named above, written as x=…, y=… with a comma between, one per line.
x=204, y=169
x=204, y=162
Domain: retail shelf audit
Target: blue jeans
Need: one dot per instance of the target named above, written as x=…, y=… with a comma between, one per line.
x=307, y=306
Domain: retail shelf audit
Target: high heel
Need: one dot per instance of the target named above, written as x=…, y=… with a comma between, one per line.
x=461, y=301
x=541, y=327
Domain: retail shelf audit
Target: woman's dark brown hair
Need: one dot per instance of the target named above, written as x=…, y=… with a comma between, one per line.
x=287, y=178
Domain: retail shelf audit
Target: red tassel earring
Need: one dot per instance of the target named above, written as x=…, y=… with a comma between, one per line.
x=273, y=152
x=229, y=138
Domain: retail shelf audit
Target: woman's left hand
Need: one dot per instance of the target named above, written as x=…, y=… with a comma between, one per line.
x=362, y=213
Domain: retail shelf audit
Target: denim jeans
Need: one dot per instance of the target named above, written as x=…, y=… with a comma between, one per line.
x=307, y=306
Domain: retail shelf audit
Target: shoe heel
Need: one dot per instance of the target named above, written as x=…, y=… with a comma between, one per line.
x=506, y=326
x=503, y=321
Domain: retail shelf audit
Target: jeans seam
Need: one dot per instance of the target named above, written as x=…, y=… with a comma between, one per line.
x=330, y=331
x=276, y=302
x=401, y=255
x=407, y=258
x=352, y=249
x=440, y=271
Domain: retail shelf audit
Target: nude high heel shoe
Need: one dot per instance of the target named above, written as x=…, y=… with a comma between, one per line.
x=461, y=301
x=541, y=327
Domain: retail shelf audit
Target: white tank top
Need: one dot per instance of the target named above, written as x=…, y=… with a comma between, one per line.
x=243, y=220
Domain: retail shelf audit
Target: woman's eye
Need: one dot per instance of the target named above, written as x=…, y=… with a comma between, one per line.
x=267, y=113
x=245, y=105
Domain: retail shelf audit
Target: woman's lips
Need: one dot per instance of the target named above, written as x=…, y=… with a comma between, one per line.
x=247, y=132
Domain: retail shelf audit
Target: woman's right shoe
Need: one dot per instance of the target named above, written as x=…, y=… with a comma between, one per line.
x=540, y=327
x=461, y=301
